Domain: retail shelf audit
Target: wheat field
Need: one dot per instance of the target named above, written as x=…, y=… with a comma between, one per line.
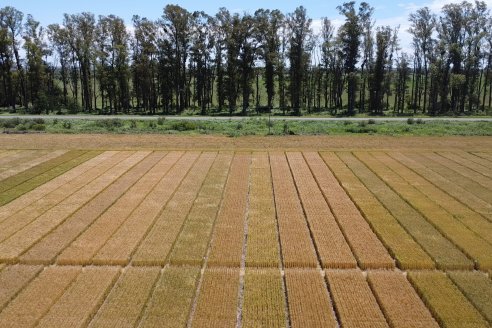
x=246, y=237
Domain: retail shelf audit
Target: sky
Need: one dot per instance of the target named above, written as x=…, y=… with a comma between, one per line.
x=392, y=13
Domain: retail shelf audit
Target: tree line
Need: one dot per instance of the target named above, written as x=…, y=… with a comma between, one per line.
x=236, y=63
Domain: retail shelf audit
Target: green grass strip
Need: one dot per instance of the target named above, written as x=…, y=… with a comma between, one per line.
x=477, y=287
x=55, y=168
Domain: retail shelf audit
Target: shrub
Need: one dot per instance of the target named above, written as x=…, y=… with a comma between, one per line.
x=21, y=127
x=160, y=120
x=420, y=121
x=110, y=124
x=38, y=127
x=10, y=123
x=410, y=121
x=371, y=121
x=133, y=124
x=183, y=126
x=67, y=125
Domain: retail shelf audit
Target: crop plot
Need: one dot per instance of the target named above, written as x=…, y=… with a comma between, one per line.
x=246, y=237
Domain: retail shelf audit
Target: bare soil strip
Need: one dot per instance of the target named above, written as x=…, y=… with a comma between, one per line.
x=271, y=143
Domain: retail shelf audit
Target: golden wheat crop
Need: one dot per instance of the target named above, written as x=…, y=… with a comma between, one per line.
x=454, y=189
x=474, y=158
x=399, y=301
x=36, y=158
x=295, y=240
x=50, y=246
x=309, y=302
x=119, y=248
x=123, y=306
x=36, y=299
x=443, y=252
x=264, y=301
x=171, y=300
x=457, y=232
x=218, y=299
x=485, y=155
x=22, y=218
x=81, y=300
x=461, y=159
x=262, y=244
x=38, y=180
x=18, y=243
x=192, y=242
x=333, y=249
x=40, y=192
x=472, y=220
x=459, y=169
x=87, y=244
x=448, y=305
x=38, y=170
x=155, y=247
x=354, y=301
x=13, y=278
x=6, y=155
x=473, y=187
x=368, y=249
x=226, y=248
x=477, y=287
x=20, y=157
x=406, y=251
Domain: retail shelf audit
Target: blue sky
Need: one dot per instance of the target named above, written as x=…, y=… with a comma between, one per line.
x=391, y=13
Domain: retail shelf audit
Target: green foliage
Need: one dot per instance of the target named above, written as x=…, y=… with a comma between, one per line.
x=183, y=126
